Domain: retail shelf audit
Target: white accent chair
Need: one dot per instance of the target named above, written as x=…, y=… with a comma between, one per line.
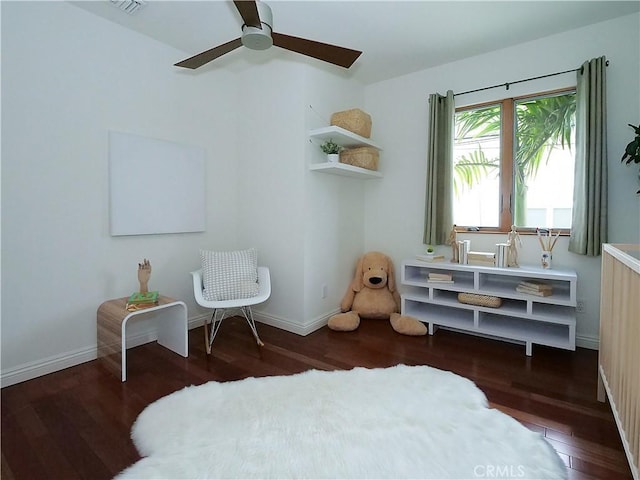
x=222, y=308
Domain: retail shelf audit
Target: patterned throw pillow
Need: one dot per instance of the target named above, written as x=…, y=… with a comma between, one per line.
x=229, y=275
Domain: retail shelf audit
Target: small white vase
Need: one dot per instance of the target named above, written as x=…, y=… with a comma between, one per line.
x=546, y=259
x=333, y=157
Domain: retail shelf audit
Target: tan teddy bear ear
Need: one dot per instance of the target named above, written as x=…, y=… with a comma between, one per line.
x=391, y=276
x=356, y=283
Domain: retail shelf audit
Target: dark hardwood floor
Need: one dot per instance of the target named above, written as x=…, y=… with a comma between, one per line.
x=75, y=423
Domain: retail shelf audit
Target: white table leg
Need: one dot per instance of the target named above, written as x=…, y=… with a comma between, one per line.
x=173, y=329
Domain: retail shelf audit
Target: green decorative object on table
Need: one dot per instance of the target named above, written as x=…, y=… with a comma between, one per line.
x=146, y=297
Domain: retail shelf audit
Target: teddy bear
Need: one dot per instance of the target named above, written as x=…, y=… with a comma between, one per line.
x=372, y=294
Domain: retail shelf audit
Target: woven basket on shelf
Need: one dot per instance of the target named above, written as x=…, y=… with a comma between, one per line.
x=354, y=120
x=363, y=157
x=480, y=300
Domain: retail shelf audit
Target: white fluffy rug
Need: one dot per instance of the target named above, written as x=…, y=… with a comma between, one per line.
x=398, y=422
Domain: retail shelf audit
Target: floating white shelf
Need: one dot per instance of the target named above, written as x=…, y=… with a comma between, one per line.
x=346, y=139
x=342, y=137
x=345, y=170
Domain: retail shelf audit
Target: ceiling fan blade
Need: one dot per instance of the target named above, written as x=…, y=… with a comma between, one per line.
x=209, y=55
x=341, y=56
x=249, y=12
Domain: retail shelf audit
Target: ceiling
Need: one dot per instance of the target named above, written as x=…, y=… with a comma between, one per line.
x=396, y=37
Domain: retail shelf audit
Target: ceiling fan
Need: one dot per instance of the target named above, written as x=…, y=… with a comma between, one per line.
x=258, y=34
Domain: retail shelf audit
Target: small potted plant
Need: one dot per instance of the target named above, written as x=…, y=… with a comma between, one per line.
x=332, y=150
x=632, y=152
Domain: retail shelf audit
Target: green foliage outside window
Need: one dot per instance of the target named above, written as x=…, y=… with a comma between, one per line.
x=541, y=124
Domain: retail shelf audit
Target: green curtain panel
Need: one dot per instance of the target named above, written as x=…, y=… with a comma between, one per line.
x=438, y=211
x=589, y=221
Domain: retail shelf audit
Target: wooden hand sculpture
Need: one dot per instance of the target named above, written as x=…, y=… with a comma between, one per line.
x=144, y=273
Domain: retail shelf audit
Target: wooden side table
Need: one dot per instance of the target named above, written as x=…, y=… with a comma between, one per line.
x=170, y=316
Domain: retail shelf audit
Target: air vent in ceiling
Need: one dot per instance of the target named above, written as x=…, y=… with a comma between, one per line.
x=129, y=6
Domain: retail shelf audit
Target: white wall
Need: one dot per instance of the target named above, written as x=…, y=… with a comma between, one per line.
x=395, y=205
x=66, y=83
x=69, y=77
x=307, y=227
x=270, y=184
x=334, y=205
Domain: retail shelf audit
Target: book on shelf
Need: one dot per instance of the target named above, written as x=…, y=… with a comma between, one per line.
x=146, y=297
x=463, y=251
x=444, y=275
x=440, y=281
x=433, y=276
x=534, y=291
x=487, y=256
x=502, y=254
x=483, y=259
x=536, y=285
x=481, y=263
x=430, y=258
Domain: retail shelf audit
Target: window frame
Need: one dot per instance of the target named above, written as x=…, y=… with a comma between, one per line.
x=507, y=145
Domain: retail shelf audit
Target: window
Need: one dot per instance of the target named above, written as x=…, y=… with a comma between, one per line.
x=514, y=163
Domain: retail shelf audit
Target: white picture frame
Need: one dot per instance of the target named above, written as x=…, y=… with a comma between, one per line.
x=155, y=186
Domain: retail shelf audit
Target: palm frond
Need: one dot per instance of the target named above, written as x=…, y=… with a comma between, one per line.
x=543, y=124
x=478, y=123
x=470, y=170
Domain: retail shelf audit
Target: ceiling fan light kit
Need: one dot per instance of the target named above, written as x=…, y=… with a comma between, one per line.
x=258, y=34
x=256, y=38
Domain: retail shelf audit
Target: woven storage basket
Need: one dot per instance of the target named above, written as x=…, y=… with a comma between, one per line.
x=354, y=120
x=363, y=157
x=481, y=300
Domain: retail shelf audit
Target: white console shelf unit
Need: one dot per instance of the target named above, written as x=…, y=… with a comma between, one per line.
x=523, y=318
x=345, y=139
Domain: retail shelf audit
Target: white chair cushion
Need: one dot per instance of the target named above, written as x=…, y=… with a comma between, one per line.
x=229, y=275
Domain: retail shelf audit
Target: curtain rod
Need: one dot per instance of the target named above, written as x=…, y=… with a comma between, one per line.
x=507, y=84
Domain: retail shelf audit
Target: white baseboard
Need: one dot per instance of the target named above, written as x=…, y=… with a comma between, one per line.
x=31, y=370
x=284, y=324
x=198, y=321
x=38, y=368
x=588, y=341
x=276, y=321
